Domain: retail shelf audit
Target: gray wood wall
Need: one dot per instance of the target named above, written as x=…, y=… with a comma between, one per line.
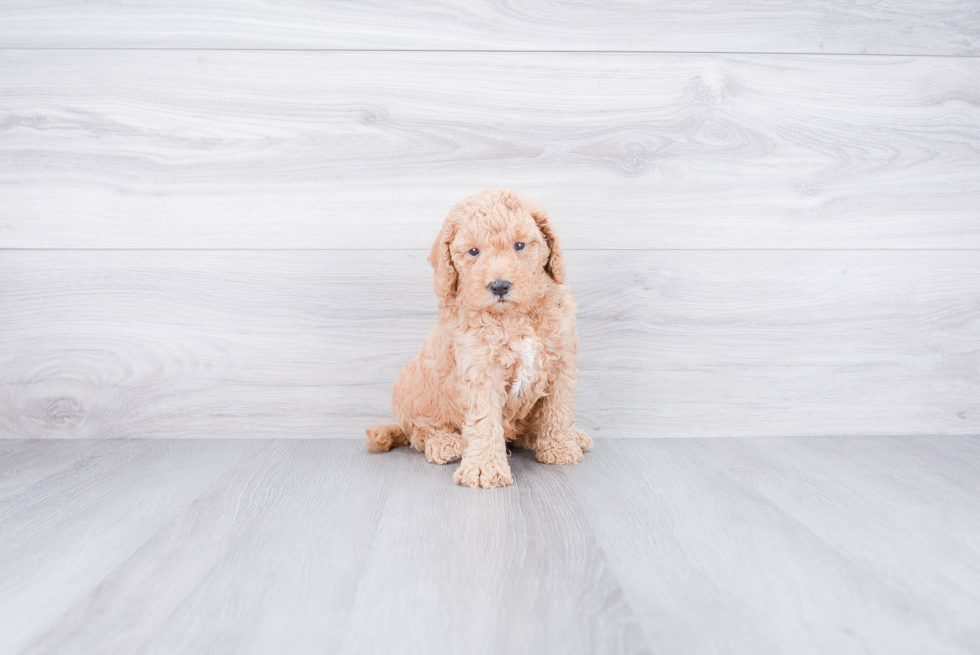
x=214, y=216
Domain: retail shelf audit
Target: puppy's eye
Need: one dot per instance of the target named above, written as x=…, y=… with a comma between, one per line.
x=519, y=246
x=474, y=251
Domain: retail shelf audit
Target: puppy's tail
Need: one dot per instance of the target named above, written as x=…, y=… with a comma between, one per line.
x=385, y=436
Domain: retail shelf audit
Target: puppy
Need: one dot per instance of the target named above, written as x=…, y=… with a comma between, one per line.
x=499, y=364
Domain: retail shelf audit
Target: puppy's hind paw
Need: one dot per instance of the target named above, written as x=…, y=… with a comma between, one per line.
x=444, y=447
x=584, y=440
x=385, y=436
x=484, y=475
x=559, y=451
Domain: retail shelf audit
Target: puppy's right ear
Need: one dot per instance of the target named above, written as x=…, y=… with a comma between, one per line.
x=444, y=281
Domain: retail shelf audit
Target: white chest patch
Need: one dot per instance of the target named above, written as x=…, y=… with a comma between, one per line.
x=527, y=368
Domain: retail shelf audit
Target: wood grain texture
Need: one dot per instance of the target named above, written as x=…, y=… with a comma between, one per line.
x=947, y=27
x=266, y=558
x=22, y=465
x=862, y=545
x=243, y=539
x=517, y=570
x=109, y=344
x=808, y=545
x=178, y=149
x=65, y=532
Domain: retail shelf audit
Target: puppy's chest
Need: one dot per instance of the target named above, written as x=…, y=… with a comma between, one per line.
x=525, y=369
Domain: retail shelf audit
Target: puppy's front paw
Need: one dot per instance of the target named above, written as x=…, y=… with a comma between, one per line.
x=483, y=474
x=565, y=449
x=444, y=447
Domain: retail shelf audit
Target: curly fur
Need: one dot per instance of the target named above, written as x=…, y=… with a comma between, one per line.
x=492, y=370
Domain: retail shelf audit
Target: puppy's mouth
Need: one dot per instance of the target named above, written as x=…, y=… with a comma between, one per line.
x=501, y=302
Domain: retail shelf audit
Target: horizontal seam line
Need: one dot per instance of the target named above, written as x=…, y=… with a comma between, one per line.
x=451, y=51
x=425, y=250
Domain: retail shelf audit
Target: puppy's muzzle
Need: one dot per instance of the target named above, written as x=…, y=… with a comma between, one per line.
x=499, y=288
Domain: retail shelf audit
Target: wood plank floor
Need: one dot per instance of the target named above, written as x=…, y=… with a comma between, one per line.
x=806, y=545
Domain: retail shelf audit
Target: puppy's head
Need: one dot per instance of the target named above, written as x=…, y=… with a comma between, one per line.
x=497, y=252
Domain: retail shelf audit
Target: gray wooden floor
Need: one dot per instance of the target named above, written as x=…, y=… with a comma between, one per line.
x=804, y=545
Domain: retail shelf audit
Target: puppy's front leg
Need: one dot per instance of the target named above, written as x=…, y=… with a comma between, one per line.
x=484, y=449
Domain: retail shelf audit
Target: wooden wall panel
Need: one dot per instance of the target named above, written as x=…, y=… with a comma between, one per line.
x=943, y=27
x=213, y=216
x=108, y=344
x=179, y=149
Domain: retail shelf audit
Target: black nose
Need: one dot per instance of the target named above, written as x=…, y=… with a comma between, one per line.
x=500, y=287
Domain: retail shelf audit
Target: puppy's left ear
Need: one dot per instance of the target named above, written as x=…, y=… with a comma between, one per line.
x=555, y=265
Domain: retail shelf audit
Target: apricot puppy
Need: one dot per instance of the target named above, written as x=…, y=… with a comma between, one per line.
x=499, y=364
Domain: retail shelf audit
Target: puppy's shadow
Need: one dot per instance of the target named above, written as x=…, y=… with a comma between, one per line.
x=521, y=458
x=409, y=469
